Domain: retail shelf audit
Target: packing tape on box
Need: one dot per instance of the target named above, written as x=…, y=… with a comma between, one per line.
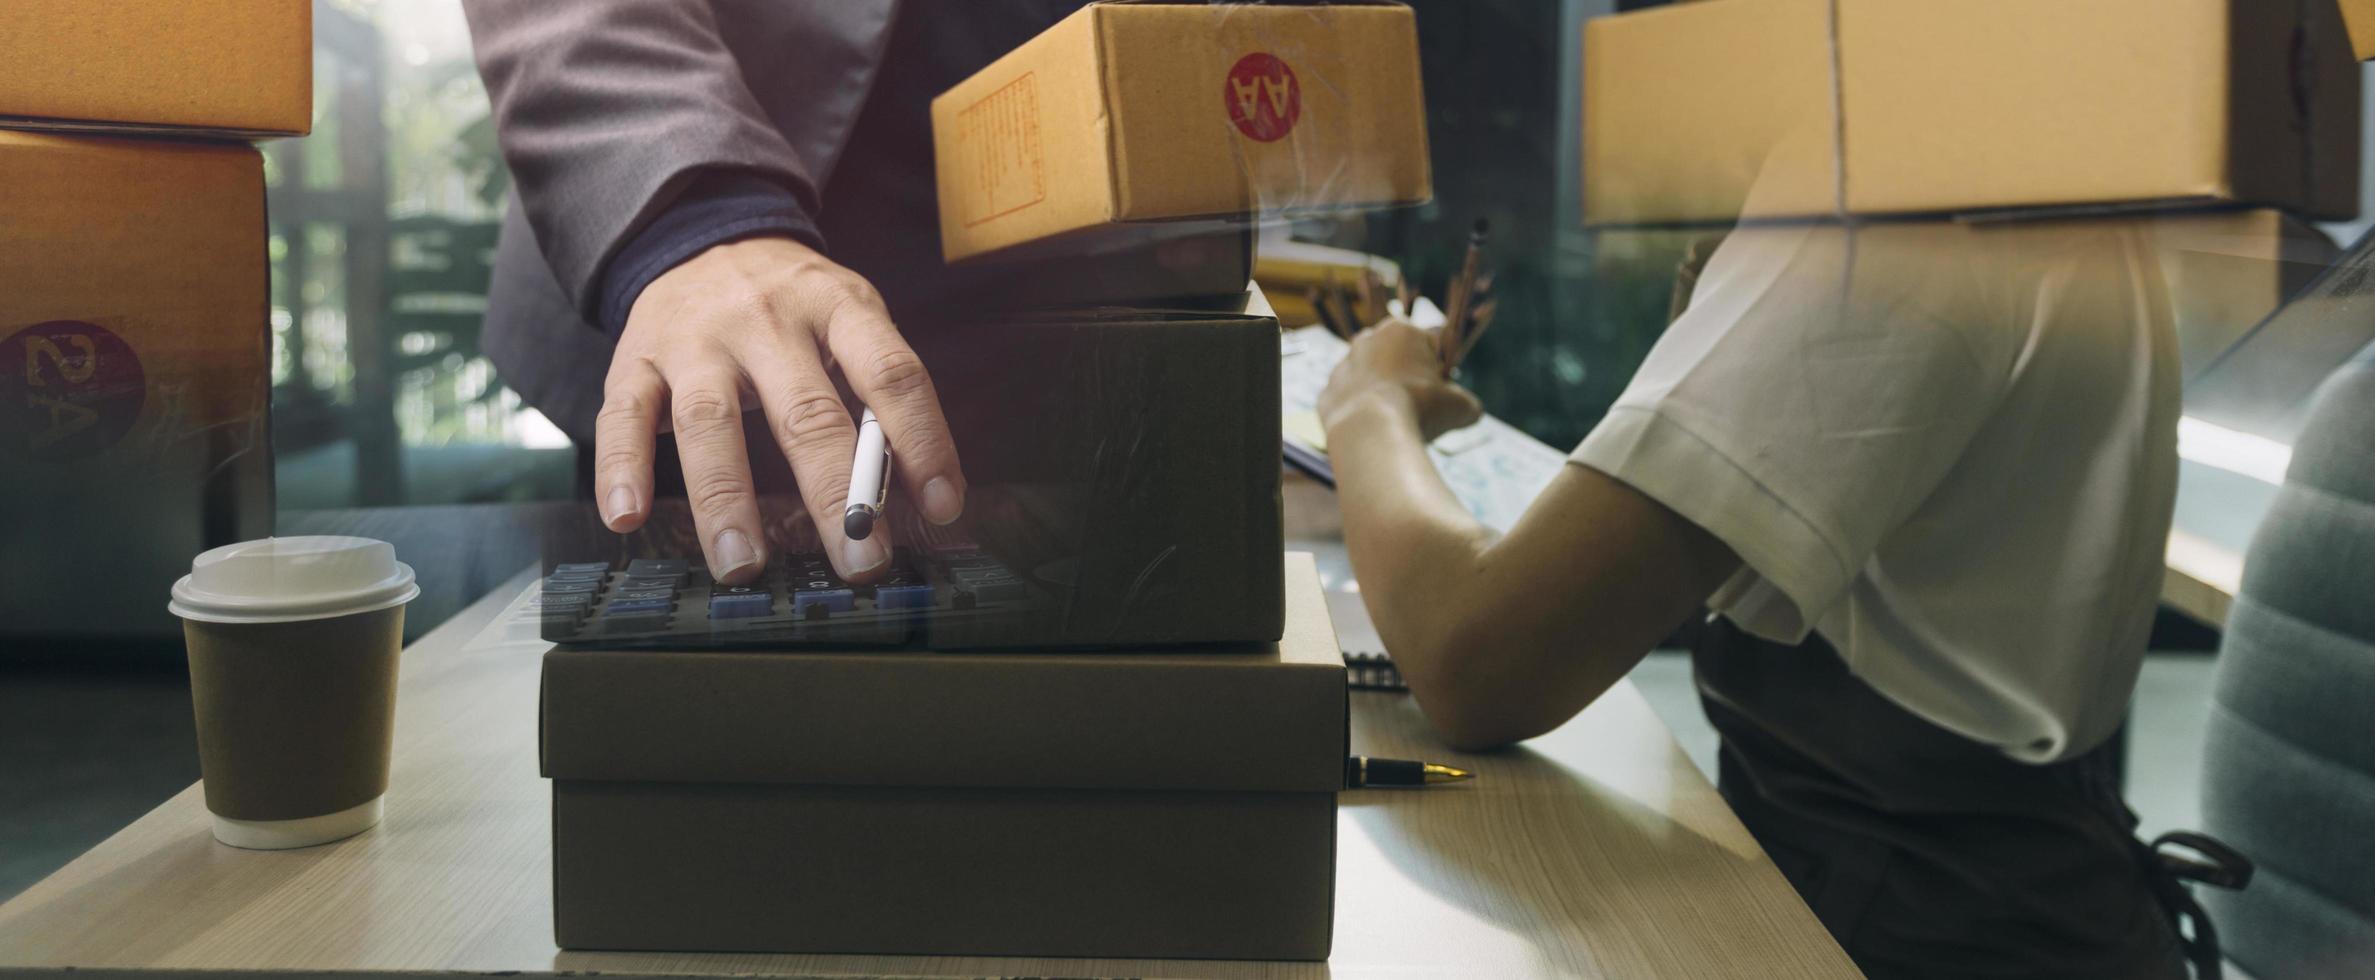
x=1838, y=116
x=1268, y=107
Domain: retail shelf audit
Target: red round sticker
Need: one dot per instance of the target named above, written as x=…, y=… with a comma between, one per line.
x=1263, y=97
x=67, y=389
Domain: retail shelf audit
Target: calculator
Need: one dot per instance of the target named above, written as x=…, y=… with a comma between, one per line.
x=941, y=594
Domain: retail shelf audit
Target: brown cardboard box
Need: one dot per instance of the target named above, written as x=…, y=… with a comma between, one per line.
x=2228, y=270
x=1136, y=112
x=1080, y=804
x=133, y=374
x=1944, y=107
x=2359, y=15
x=227, y=67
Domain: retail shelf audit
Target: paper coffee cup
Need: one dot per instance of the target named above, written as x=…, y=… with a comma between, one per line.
x=293, y=645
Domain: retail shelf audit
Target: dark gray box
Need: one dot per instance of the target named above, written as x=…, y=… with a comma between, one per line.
x=1129, y=455
x=1123, y=804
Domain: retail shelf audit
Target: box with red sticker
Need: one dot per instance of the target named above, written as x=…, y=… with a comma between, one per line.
x=1125, y=113
x=134, y=374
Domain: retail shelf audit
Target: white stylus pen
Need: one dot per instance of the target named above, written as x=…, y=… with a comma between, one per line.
x=869, y=479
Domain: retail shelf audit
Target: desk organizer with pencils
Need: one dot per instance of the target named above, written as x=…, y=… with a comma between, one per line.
x=1126, y=804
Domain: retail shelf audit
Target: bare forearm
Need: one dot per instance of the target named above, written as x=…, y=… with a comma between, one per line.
x=1409, y=537
x=1502, y=637
x=1474, y=630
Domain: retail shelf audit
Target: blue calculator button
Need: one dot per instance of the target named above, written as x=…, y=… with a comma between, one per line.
x=740, y=606
x=810, y=602
x=669, y=571
x=582, y=567
x=903, y=597
x=637, y=607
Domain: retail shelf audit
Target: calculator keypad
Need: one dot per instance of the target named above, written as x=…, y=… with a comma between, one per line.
x=799, y=599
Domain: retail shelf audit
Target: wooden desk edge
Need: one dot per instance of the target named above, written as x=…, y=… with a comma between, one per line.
x=1805, y=940
x=2201, y=578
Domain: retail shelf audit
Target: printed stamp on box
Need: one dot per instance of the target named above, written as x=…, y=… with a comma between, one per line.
x=1263, y=97
x=67, y=389
x=999, y=152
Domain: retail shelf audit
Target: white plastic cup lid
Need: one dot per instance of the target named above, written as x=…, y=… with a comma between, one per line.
x=282, y=580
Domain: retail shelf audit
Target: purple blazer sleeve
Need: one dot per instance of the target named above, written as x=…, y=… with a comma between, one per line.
x=607, y=109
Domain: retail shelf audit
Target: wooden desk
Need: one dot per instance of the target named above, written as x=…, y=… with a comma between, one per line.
x=1598, y=851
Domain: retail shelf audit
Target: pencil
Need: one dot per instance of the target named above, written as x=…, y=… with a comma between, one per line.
x=1483, y=318
x=1319, y=306
x=1462, y=286
x=1353, y=321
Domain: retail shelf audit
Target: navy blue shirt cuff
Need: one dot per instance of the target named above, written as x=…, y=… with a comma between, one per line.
x=716, y=208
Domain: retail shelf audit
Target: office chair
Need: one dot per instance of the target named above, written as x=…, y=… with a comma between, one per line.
x=2290, y=777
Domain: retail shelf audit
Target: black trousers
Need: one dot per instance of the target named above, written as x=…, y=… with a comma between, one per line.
x=1925, y=853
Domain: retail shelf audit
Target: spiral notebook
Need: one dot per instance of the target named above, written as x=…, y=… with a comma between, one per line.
x=1365, y=662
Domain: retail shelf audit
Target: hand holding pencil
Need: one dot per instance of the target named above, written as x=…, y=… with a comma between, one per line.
x=1346, y=309
x=1394, y=374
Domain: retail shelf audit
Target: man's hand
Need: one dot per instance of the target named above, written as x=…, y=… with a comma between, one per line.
x=765, y=319
x=1394, y=367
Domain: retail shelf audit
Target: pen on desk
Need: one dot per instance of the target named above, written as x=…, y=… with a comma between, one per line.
x=1361, y=771
x=869, y=479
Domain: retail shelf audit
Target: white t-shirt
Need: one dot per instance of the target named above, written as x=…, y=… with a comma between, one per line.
x=1948, y=449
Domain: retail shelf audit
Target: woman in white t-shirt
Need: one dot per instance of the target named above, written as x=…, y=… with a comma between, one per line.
x=1921, y=474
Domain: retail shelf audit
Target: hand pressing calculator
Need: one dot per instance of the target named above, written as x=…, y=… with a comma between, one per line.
x=943, y=595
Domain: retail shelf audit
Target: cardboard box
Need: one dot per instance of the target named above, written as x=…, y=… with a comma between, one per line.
x=1948, y=108
x=134, y=339
x=1052, y=804
x=1131, y=456
x=1138, y=112
x=2359, y=16
x=2228, y=270
x=226, y=67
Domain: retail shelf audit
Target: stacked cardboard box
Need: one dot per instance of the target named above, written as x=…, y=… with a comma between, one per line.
x=1108, y=798
x=1129, y=114
x=2229, y=120
x=1891, y=107
x=1131, y=804
x=134, y=329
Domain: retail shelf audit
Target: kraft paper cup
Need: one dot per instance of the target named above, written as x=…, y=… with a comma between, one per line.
x=293, y=645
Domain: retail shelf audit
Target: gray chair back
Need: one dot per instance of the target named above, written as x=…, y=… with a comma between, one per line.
x=2290, y=764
